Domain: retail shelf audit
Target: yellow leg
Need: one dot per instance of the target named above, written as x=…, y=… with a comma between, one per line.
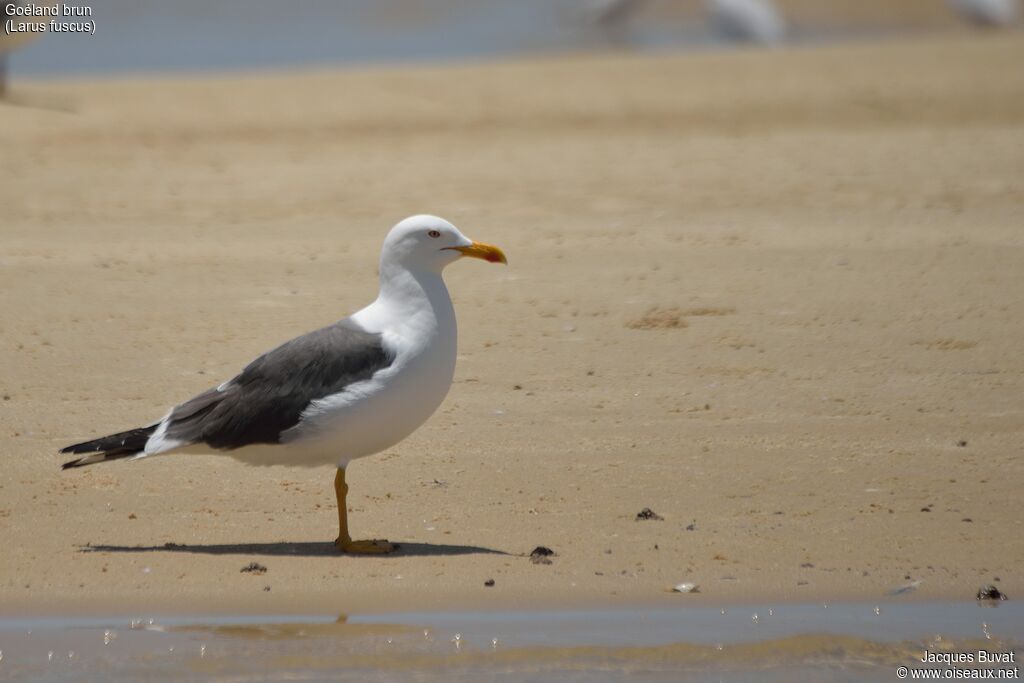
x=345, y=543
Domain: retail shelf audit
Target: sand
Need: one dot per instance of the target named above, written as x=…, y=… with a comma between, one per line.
x=774, y=296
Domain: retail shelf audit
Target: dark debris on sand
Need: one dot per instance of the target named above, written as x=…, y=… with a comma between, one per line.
x=990, y=592
x=648, y=513
x=541, y=555
x=253, y=568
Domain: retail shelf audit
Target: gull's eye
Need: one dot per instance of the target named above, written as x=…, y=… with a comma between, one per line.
x=434, y=233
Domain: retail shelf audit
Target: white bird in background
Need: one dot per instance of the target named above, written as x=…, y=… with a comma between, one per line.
x=754, y=21
x=342, y=392
x=986, y=12
x=613, y=11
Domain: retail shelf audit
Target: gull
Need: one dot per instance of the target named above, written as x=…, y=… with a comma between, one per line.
x=345, y=391
x=756, y=21
x=986, y=12
x=613, y=11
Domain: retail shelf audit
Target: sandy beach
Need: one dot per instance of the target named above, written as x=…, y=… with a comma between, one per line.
x=776, y=297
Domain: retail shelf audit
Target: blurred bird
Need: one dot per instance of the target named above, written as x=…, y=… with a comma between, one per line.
x=986, y=12
x=9, y=42
x=613, y=11
x=754, y=21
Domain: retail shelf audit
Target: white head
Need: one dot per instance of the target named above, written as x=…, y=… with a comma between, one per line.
x=430, y=243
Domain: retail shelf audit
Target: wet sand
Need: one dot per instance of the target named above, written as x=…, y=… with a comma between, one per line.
x=775, y=297
x=834, y=642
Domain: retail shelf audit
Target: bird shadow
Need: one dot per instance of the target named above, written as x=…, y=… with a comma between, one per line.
x=293, y=549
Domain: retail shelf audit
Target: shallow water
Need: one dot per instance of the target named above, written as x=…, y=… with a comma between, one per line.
x=196, y=35
x=846, y=642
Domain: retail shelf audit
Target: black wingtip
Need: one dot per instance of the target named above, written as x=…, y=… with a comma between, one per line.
x=94, y=446
x=133, y=440
x=94, y=458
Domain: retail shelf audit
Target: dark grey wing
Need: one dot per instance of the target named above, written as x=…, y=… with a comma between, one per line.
x=268, y=397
